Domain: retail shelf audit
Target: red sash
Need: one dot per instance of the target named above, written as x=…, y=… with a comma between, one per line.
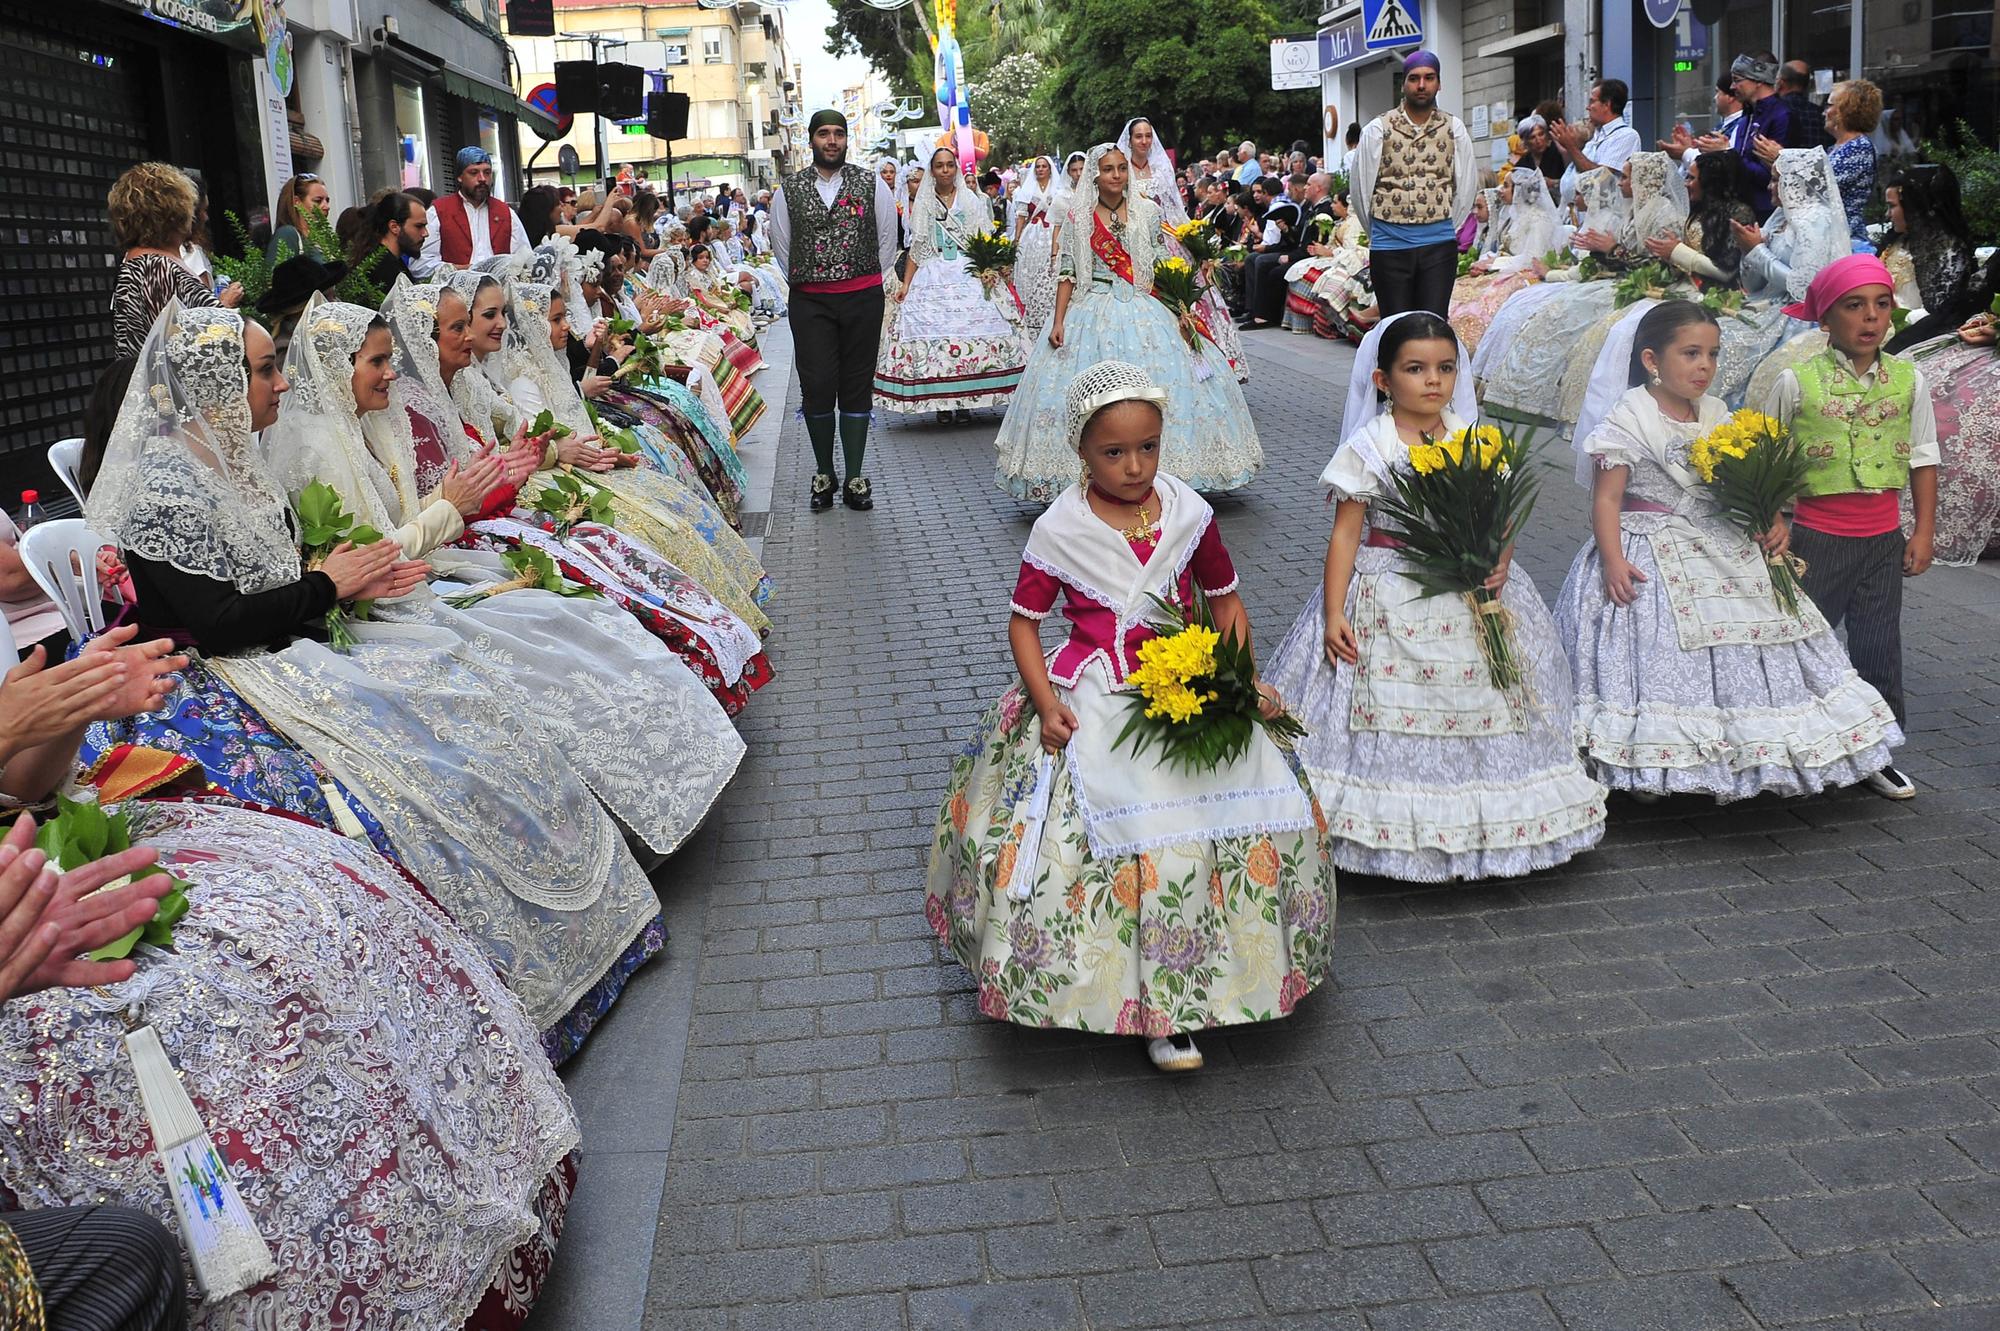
x=1107, y=248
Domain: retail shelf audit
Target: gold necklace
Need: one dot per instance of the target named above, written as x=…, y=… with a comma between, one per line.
x=1144, y=527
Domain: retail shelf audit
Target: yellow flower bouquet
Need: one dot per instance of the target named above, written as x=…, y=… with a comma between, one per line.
x=1198, y=238
x=1175, y=285
x=990, y=254
x=1460, y=506
x=1195, y=693
x=1753, y=467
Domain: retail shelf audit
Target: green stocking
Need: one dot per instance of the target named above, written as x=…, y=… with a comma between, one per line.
x=854, y=440
x=819, y=429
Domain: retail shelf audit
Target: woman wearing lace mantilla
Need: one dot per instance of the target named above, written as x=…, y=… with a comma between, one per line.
x=1105, y=310
x=434, y=743
x=949, y=343
x=1085, y=890
x=1690, y=677
x=1039, y=201
x=1151, y=175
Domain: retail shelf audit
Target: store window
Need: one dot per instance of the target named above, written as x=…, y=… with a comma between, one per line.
x=413, y=150
x=1691, y=55
x=489, y=139
x=1934, y=61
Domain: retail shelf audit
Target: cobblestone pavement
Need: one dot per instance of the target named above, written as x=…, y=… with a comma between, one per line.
x=1737, y=1068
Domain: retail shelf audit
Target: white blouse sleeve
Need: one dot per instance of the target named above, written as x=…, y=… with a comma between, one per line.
x=1350, y=477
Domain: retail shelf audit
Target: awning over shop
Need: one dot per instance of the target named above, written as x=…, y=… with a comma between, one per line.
x=496, y=97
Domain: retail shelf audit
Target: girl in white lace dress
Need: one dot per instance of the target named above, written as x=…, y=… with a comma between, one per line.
x=1690, y=678
x=1426, y=770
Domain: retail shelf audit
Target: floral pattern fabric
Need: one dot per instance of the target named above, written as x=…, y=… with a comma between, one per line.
x=1198, y=934
x=1965, y=393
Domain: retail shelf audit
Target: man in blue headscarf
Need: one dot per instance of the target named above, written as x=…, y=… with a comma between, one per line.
x=1413, y=186
x=469, y=225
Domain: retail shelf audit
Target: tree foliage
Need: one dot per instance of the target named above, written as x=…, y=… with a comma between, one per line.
x=1007, y=104
x=1200, y=70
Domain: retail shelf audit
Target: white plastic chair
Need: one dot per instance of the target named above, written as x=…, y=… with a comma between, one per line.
x=62, y=559
x=65, y=456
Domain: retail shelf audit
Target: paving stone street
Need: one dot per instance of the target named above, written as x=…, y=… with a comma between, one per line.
x=1737, y=1068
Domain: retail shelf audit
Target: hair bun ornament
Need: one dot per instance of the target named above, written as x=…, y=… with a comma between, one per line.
x=1102, y=385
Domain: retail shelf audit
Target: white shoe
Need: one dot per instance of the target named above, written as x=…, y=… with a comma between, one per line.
x=1174, y=1053
x=1891, y=784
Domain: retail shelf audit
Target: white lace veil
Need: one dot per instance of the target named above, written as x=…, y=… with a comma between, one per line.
x=555, y=264
x=531, y=355
x=319, y=435
x=1033, y=194
x=930, y=212
x=1159, y=172
x=1659, y=201
x=1361, y=407
x=412, y=312
x=1815, y=217
x=1609, y=378
x=1532, y=220
x=1605, y=207
x=1142, y=226
x=1489, y=230
x=483, y=403
x=182, y=480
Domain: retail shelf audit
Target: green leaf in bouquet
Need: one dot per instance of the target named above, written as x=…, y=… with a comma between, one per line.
x=621, y=325
x=323, y=519
x=1899, y=318
x=363, y=534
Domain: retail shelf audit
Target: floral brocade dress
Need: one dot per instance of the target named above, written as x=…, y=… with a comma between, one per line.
x=1201, y=926
x=1428, y=772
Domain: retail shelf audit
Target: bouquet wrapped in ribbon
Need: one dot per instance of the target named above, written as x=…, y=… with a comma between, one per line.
x=990, y=255
x=570, y=500
x=1196, y=693
x=324, y=523
x=545, y=423
x=1649, y=281
x=1753, y=467
x=1175, y=285
x=1460, y=506
x=648, y=359
x=533, y=571
x=1198, y=238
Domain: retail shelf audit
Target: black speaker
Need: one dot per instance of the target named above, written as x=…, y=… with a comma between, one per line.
x=531, y=18
x=667, y=115
x=621, y=92
x=576, y=87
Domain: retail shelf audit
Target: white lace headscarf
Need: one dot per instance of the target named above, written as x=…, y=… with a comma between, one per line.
x=667, y=274
x=1488, y=239
x=1529, y=230
x=482, y=401
x=962, y=216
x=1605, y=207
x=412, y=312
x=182, y=480
x=1033, y=194
x=1142, y=227
x=1815, y=217
x=1659, y=201
x=319, y=435
x=531, y=354
x=555, y=264
x=1105, y=384
x=1060, y=190
x=1159, y=185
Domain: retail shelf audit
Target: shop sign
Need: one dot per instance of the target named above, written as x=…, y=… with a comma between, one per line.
x=1343, y=46
x=1294, y=63
x=217, y=18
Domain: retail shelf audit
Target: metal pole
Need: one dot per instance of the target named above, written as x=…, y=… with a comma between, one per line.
x=603, y=152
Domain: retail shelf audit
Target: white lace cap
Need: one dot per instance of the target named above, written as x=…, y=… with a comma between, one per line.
x=1102, y=385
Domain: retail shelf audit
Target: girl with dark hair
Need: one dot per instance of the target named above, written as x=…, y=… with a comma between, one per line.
x=1426, y=770
x=1928, y=222
x=538, y=209
x=1690, y=679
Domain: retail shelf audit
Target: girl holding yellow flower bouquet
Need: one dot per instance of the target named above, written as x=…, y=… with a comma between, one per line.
x=1693, y=676
x=1437, y=752
x=1083, y=887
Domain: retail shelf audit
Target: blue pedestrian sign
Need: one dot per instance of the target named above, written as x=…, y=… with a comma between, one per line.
x=1391, y=23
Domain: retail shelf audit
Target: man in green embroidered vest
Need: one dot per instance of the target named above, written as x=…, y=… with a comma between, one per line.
x=1865, y=421
x=1414, y=184
x=833, y=234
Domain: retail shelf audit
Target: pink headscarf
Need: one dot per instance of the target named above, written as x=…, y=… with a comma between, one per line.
x=1836, y=280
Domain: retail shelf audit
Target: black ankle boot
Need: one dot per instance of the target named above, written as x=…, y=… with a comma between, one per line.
x=822, y=492
x=857, y=495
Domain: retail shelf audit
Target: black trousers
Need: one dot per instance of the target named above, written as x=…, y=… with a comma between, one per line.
x=1858, y=581
x=1418, y=279
x=834, y=340
x=103, y=1268
x=1264, y=286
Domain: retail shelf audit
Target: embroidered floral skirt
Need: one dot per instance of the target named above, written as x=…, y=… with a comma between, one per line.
x=1733, y=720
x=1199, y=934
x=948, y=345
x=1965, y=389
x=1426, y=771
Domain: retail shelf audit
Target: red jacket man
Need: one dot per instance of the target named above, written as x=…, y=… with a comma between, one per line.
x=470, y=226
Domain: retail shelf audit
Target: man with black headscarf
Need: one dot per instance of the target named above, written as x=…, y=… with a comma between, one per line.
x=833, y=234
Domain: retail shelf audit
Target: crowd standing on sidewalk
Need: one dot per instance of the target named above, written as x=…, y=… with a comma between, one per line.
x=419, y=539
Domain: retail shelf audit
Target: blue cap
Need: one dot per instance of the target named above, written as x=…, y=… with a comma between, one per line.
x=471, y=157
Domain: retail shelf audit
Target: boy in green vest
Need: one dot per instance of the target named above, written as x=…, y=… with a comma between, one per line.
x=1865, y=420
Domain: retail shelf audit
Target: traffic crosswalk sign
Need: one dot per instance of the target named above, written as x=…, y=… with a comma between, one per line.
x=1392, y=23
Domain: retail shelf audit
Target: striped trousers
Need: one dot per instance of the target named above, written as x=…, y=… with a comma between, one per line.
x=103, y=1268
x=1858, y=580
